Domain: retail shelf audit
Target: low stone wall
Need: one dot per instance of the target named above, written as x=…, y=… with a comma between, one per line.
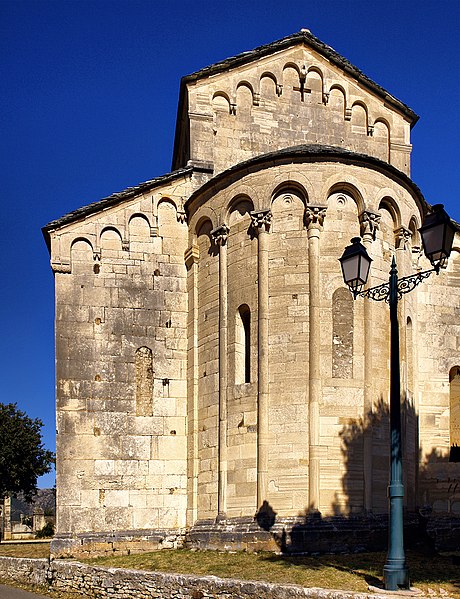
x=114, y=583
x=118, y=542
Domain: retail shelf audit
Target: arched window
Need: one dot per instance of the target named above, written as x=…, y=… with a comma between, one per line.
x=454, y=378
x=243, y=345
x=342, y=334
x=144, y=382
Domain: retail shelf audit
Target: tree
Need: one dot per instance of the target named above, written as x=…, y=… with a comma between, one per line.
x=23, y=457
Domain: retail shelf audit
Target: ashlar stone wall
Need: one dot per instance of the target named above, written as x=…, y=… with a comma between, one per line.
x=295, y=96
x=350, y=418
x=121, y=339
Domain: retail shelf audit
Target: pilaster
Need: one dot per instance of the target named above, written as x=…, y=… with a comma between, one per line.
x=191, y=263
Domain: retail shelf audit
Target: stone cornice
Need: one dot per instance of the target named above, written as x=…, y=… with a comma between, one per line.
x=307, y=153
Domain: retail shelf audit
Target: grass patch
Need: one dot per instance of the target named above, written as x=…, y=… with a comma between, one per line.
x=353, y=572
x=25, y=549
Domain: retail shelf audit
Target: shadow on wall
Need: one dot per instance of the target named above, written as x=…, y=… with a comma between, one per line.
x=351, y=528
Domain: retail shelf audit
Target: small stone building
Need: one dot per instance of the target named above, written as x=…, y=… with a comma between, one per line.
x=216, y=382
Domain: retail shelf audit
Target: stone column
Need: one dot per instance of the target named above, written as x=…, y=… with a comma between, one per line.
x=314, y=217
x=220, y=236
x=369, y=223
x=191, y=262
x=261, y=221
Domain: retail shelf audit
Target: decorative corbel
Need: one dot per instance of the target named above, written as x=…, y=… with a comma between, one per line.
x=154, y=231
x=181, y=214
x=303, y=75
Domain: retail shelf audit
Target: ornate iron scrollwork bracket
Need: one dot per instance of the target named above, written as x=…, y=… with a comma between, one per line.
x=405, y=285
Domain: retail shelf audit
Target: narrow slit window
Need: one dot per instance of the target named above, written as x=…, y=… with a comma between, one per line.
x=342, y=334
x=243, y=345
x=144, y=382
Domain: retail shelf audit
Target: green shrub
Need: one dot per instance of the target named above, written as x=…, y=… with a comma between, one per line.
x=46, y=532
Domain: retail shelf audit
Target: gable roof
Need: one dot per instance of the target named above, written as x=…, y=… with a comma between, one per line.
x=304, y=36
x=112, y=200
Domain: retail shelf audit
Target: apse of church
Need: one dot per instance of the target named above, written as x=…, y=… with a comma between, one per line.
x=216, y=382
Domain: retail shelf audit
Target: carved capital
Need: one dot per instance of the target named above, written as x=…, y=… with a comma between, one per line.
x=125, y=245
x=347, y=115
x=403, y=236
x=220, y=235
x=97, y=255
x=314, y=216
x=261, y=219
x=370, y=223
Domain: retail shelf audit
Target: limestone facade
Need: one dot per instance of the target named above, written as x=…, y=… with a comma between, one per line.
x=210, y=361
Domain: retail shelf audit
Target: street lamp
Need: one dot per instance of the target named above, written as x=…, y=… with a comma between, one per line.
x=437, y=235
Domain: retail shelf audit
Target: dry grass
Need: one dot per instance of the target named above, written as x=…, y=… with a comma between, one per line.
x=25, y=549
x=353, y=572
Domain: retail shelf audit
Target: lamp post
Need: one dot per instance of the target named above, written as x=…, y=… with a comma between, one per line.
x=437, y=234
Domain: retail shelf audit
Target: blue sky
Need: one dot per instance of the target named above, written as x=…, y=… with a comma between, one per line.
x=89, y=95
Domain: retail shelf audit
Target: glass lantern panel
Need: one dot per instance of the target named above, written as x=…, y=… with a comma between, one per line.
x=350, y=269
x=432, y=240
x=364, y=269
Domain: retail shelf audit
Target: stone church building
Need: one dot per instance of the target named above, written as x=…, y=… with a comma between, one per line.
x=216, y=382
